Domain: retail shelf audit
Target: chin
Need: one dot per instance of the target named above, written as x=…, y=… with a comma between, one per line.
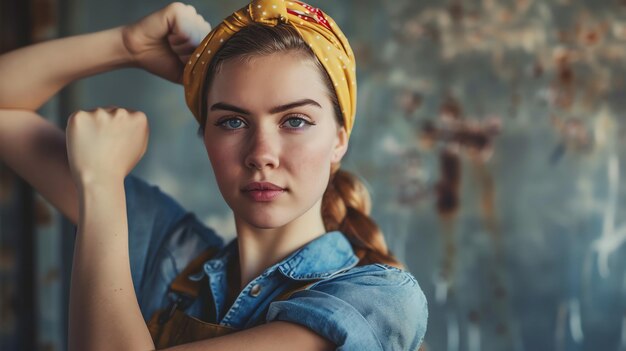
x=264, y=219
x=259, y=215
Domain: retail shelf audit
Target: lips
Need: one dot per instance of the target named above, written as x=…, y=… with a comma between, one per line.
x=261, y=186
x=262, y=192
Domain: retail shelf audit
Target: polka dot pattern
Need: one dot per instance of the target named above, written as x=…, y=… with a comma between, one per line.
x=314, y=26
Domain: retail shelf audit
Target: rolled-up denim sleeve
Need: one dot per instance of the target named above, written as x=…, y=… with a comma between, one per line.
x=374, y=307
x=151, y=216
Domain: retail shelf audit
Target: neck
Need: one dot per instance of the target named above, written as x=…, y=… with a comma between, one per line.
x=260, y=248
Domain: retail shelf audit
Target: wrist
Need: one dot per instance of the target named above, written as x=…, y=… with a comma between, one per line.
x=123, y=46
x=87, y=181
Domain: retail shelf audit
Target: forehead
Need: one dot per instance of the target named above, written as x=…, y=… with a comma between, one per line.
x=268, y=80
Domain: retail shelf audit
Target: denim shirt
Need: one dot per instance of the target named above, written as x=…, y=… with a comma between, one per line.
x=369, y=307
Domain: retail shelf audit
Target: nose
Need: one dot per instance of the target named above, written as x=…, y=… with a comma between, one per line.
x=262, y=150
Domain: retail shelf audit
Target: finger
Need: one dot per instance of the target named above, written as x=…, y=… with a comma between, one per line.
x=108, y=109
x=111, y=110
x=126, y=109
x=177, y=44
x=184, y=58
x=190, y=24
x=183, y=50
x=201, y=30
x=178, y=39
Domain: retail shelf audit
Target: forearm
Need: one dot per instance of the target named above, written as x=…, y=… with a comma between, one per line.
x=33, y=74
x=104, y=313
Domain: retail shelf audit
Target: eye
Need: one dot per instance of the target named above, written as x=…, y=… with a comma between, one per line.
x=230, y=123
x=291, y=123
x=298, y=123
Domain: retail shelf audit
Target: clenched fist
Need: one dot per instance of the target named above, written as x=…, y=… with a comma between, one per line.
x=105, y=144
x=162, y=42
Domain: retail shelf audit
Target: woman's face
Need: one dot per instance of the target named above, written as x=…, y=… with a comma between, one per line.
x=250, y=138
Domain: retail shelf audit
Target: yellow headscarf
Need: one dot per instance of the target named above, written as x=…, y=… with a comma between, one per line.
x=315, y=27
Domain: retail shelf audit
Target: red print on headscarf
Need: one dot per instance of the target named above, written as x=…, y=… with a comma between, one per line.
x=316, y=15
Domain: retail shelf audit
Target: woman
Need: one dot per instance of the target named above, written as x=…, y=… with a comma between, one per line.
x=273, y=89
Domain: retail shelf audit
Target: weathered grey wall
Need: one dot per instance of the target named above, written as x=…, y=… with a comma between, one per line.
x=511, y=111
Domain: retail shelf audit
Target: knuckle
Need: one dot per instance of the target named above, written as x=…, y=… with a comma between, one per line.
x=176, y=6
x=99, y=112
x=141, y=118
x=75, y=115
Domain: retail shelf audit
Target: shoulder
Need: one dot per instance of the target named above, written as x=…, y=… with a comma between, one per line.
x=376, y=274
x=391, y=287
x=370, y=307
x=388, y=298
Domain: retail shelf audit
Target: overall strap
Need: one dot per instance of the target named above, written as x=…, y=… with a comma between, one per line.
x=183, y=290
x=182, y=284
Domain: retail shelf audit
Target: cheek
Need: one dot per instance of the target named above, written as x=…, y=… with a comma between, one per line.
x=223, y=162
x=310, y=162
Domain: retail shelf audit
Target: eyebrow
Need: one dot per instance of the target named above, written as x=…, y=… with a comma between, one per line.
x=274, y=110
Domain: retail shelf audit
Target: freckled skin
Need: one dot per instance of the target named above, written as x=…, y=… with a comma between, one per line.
x=263, y=147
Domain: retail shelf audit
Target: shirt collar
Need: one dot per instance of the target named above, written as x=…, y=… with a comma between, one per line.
x=321, y=257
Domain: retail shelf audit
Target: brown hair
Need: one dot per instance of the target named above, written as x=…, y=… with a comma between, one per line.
x=346, y=202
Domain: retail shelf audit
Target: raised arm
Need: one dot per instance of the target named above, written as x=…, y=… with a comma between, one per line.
x=103, y=146
x=35, y=148
x=33, y=74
